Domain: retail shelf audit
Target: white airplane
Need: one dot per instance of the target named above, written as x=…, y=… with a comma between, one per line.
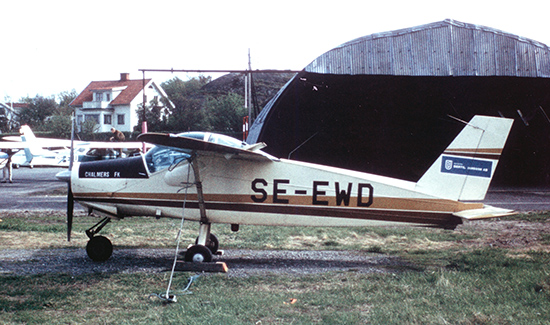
x=212, y=178
x=35, y=151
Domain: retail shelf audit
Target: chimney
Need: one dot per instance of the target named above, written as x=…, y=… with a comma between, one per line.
x=124, y=76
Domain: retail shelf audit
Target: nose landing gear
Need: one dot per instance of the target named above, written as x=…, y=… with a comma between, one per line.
x=99, y=248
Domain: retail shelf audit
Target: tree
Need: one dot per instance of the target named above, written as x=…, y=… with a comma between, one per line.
x=188, y=113
x=225, y=113
x=89, y=129
x=155, y=115
x=39, y=108
x=59, y=126
x=65, y=98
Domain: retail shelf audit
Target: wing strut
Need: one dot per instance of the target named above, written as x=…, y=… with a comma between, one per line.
x=198, y=184
x=204, y=230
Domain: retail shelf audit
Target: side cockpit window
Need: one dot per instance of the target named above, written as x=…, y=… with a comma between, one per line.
x=160, y=158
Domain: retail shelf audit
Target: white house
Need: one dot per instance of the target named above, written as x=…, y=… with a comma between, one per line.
x=115, y=103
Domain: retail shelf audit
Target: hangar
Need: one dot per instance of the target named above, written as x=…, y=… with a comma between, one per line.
x=384, y=103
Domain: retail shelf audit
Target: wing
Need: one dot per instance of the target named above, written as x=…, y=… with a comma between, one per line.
x=42, y=142
x=13, y=145
x=112, y=145
x=48, y=143
x=12, y=138
x=174, y=141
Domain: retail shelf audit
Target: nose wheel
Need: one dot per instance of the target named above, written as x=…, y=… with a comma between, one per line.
x=99, y=248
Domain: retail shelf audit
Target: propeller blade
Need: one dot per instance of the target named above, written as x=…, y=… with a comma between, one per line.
x=70, y=210
x=70, y=198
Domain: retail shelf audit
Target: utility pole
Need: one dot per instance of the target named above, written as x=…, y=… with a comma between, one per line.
x=144, y=123
x=249, y=94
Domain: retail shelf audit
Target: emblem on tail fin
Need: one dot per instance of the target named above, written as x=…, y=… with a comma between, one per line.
x=464, y=166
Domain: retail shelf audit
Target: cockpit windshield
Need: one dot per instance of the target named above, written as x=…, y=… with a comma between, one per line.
x=159, y=158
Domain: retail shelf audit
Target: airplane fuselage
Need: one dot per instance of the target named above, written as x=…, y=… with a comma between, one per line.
x=277, y=193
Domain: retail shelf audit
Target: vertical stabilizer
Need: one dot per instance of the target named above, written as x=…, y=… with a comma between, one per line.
x=465, y=169
x=28, y=136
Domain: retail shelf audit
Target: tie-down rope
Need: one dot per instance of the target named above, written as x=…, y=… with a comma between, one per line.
x=167, y=296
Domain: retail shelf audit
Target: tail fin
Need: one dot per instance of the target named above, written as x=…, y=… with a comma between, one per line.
x=465, y=169
x=26, y=133
x=28, y=136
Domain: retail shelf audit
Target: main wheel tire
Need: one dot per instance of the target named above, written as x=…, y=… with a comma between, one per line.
x=212, y=243
x=198, y=254
x=99, y=248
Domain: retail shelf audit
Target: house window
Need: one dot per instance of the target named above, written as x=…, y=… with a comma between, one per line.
x=108, y=98
x=107, y=119
x=120, y=119
x=92, y=117
x=99, y=97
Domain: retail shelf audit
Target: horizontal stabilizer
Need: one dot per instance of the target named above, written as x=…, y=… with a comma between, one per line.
x=484, y=213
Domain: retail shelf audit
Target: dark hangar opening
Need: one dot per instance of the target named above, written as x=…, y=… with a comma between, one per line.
x=397, y=125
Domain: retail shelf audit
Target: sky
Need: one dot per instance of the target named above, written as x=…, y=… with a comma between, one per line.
x=49, y=47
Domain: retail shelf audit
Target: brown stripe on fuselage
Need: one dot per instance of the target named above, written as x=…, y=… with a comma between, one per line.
x=435, y=218
x=385, y=203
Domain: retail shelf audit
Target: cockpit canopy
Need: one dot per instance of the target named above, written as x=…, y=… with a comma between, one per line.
x=214, y=138
x=161, y=157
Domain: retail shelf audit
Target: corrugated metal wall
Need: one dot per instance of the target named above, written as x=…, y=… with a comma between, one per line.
x=447, y=48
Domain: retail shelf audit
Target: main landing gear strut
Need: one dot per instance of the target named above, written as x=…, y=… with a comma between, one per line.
x=99, y=248
x=206, y=244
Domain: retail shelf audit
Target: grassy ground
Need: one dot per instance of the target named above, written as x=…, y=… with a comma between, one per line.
x=494, y=272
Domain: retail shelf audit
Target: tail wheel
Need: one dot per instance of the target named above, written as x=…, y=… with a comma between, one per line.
x=212, y=243
x=198, y=254
x=99, y=248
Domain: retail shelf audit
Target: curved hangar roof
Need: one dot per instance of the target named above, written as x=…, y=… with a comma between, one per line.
x=446, y=48
x=381, y=103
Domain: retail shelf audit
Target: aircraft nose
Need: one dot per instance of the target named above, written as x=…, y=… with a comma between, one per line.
x=64, y=176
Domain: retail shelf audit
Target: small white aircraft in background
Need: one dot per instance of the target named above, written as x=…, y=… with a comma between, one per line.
x=49, y=152
x=212, y=178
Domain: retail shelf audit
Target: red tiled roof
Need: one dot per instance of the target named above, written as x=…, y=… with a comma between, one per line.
x=19, y=105
x=133, y=87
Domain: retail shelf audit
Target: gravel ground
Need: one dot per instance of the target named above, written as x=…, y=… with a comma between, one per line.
x=517, y=236
x=239, y=262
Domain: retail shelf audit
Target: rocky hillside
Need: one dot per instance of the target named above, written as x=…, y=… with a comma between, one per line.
x=265, y=85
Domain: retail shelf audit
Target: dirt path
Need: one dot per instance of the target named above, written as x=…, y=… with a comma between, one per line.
x=239, y=262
